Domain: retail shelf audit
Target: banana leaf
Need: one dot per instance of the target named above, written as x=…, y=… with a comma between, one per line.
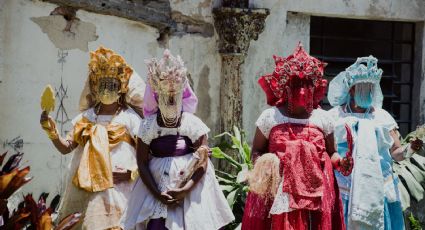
x=411, y=171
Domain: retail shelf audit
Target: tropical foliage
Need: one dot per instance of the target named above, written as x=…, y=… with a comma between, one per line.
x=414, y=223
x=29, y=214
x=411, y=171
x=234, y=149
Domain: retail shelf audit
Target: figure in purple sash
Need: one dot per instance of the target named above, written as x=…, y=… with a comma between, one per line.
x=177, y=188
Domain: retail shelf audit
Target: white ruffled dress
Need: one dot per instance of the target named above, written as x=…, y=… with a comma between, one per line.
x=205, y=207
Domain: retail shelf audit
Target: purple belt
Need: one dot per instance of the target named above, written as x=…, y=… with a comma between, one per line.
x=171, y=146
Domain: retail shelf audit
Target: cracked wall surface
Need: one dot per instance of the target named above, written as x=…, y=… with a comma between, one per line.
x=175, y=17
x=78, y=37
x=154, y=13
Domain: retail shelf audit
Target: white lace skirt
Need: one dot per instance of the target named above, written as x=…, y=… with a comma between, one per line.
x=205, y=207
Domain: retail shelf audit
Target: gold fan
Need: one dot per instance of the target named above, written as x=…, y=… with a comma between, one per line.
x=48, y=99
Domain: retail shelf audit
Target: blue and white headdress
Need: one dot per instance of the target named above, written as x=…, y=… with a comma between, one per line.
x=364, y=70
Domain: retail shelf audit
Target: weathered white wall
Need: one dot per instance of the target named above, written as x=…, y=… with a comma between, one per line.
x=29, y=61
x=281, y=35
x=406, y=10
x=202, y=59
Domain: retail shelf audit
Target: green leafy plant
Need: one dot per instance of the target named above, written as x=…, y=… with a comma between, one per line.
x=233, y=183
x=411, y=171
x=414, y=223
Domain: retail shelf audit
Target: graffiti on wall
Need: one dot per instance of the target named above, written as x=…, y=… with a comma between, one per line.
x=61, y=116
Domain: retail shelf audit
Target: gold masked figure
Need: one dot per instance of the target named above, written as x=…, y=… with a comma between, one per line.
x=105, y=145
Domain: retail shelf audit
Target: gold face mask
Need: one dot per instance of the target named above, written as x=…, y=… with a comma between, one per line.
x=108, y=97
x=108, y=91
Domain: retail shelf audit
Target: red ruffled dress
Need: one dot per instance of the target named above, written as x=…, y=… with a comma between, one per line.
x=309, y=196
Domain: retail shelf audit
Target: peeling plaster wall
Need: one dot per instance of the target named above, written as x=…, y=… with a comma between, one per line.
x=29, y=61
x=78, y=36
x=197, y=9
x=204, y=65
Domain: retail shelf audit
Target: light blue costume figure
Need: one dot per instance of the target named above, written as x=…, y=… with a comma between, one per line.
x=370, y=194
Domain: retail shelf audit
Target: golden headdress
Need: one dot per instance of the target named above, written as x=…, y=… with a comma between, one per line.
x=105, y=63
x=100, y=63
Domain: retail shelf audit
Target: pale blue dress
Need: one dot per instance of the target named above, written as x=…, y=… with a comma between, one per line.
x=382, y=122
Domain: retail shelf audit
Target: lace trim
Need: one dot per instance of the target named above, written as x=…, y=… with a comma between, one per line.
x=191, y=127
x=160, y=210
x=146, y=129
x=281, y=202
x=272, y=117
x=375, y=219
x=381, y=116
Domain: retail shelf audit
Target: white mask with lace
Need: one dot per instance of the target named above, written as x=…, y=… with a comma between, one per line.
x=167, y=78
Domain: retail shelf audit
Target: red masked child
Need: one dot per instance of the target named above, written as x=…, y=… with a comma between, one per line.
x=298, y=137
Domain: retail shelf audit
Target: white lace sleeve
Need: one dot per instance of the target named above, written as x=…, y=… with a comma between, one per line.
x=134, y=122
x=266, y=121
x=334, y=113
x=193, y=127
x=323, y=120
x=328, y=121
x=147, y=130
x=386, y=119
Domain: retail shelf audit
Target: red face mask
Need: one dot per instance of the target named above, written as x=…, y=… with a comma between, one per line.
x=300, y=95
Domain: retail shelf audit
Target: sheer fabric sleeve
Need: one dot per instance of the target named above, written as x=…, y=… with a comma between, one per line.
x=385, y=119
x=266, y=121
x=328, y=121
x=146, y=130
x=193, y=127
x=134, y=122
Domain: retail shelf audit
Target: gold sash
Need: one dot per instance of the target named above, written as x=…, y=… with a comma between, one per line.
x=94, y=174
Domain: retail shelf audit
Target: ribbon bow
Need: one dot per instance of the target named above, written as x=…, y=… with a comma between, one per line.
x=94, y=174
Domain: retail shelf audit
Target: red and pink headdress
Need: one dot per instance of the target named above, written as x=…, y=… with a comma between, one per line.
x=297, y=66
